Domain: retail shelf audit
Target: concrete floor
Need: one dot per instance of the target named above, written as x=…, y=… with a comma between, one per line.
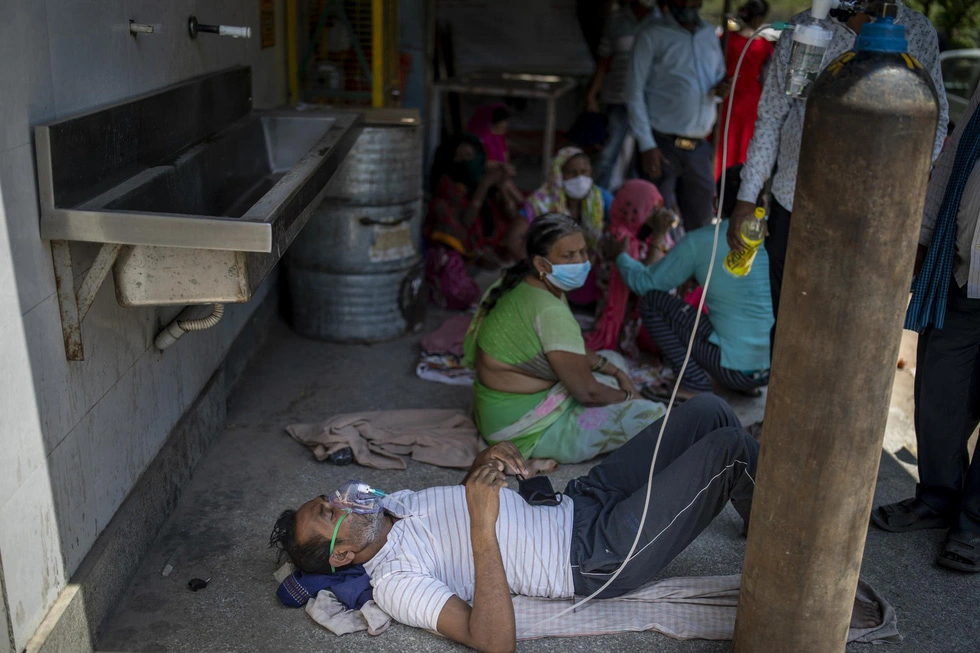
x=221, y=525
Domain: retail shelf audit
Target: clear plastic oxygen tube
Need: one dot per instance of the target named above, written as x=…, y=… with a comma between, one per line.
x=690, y=345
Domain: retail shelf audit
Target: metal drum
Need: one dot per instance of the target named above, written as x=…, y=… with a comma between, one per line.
x=383, y=167
x=360, y=239
x=355, y=271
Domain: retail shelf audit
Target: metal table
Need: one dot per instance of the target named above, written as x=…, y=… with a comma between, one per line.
x=539, y=87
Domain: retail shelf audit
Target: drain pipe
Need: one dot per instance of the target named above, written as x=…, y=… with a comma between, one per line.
x=179, y=327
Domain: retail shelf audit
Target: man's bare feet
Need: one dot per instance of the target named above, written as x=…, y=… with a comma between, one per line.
x=866, y=614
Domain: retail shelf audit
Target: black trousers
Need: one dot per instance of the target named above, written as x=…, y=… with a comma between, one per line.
x=705, y=460
x=688, y=180
x=947, y=410
x=776, y=242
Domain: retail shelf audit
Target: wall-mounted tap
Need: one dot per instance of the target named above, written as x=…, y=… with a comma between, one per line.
x=139, y=28
x=233, y=31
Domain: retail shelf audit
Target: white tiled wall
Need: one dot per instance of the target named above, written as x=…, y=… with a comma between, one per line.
x=76, y=436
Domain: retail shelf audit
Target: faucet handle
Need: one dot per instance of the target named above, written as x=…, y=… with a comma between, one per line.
x=236, y=32
x=139, y=28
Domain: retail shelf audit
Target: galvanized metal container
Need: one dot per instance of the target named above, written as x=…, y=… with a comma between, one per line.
x=355, y=307
x=383, y=167
x=360, y=239
x=355, y=271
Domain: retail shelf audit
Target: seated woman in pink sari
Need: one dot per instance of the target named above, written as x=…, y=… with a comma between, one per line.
x=637, y=204
x=489, y=123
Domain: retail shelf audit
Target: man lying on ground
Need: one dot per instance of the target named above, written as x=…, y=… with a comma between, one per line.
x=448, y=559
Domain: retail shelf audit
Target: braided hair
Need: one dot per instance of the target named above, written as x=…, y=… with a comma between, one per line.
x=543, y=233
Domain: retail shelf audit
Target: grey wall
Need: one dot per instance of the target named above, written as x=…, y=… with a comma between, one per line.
x=77, y=436
x=412, y=36
x=519, y=35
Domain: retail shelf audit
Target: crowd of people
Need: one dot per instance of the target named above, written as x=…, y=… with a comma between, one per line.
x=544, y=388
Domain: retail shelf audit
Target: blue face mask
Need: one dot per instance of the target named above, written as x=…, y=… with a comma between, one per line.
x=569, y=276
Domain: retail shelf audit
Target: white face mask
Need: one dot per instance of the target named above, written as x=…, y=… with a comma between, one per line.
x=578, y=187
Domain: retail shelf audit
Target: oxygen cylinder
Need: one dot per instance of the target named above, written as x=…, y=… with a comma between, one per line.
x=867, y=146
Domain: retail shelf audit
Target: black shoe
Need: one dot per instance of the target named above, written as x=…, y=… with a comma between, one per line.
x=908, y=515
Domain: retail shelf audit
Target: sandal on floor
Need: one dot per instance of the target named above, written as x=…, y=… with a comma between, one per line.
x=907, y=516
x=962, y=552
x=660, y=394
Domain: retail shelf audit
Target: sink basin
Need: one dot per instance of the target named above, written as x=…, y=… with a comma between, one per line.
x=190, y=166
x=204, y=193
x=225, y=176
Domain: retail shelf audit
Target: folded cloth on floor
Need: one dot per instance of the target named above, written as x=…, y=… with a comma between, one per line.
x=448, y=338
x=682, y=608
x=351, y=586
x=330, y=613
x=444, y=368
x=378, y=439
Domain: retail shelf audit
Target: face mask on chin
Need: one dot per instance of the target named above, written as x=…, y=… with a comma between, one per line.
x=578, y=187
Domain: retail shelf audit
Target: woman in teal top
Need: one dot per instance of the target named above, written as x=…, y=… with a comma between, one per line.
x=732, y=344
x=537, y=385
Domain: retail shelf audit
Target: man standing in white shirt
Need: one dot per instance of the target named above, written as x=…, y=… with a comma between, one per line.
x=945, y=310
x=448, y=559
x=779, y=129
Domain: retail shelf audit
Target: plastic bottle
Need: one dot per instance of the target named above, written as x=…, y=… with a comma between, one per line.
x=753, y=232
x=810, y=43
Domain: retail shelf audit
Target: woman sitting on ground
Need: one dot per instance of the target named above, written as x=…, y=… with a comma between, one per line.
x=732, y=341
x=466, y=221
x=637, y=213
x=571, y=191
x=489, y=123
x=537, y=385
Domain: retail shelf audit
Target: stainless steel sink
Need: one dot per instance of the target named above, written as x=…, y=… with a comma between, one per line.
x=204, y=193
x=224, y=176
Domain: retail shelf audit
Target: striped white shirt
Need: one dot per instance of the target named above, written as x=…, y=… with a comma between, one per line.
x=966, y=265
x=429, y=556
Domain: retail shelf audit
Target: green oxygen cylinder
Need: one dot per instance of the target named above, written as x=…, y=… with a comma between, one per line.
x=868, y=140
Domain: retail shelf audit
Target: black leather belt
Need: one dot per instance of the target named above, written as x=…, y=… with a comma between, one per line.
x=686, y=144
x=680, y=142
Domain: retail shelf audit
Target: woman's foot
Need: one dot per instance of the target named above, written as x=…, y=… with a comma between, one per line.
x=662, y=394
x=537, y=466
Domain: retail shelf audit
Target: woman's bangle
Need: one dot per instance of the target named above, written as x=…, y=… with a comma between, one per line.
x=599, y=364
x=629, y=396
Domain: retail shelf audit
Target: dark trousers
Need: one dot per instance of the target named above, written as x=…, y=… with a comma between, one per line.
x=687, y=181
x=776, y=242
x=705, y=460
x=670, y=321
x=947, y=388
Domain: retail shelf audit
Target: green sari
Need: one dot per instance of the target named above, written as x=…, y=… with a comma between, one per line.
x=525, y=324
